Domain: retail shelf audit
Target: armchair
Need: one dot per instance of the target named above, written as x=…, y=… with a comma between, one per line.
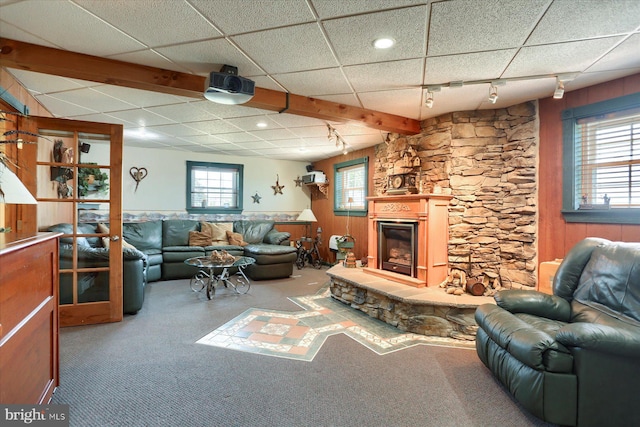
x=572, y=358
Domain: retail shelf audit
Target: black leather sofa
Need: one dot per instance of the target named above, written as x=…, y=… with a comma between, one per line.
x=572, y=358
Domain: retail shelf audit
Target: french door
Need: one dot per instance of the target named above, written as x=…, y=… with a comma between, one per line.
x=79, y=185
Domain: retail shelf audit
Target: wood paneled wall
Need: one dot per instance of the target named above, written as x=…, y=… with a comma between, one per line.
x=556, y=236
x=21, y=218
x=322, y=207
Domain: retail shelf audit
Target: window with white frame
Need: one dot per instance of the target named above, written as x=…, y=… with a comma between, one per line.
x=602, y=144
x=351, y=187
x=214, y=187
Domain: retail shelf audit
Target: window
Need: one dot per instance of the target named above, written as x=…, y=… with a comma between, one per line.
x=214, y=187
x=351, y=187
x=601, y=144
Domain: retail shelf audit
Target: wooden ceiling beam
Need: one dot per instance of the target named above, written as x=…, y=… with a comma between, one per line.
x=57, y=62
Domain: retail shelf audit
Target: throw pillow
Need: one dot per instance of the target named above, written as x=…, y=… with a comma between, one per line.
x=198, y=238
x=217, y=231
x=236, y=239
x=102, y=228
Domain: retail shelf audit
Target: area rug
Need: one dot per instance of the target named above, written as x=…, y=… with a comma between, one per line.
x=300, y=335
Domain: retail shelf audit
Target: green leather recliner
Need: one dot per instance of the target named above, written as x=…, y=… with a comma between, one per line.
x=572, y=358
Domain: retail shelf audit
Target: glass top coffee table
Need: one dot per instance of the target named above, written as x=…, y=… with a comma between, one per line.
x=210, y=274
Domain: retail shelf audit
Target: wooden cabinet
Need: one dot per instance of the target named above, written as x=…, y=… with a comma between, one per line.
x=28, y=317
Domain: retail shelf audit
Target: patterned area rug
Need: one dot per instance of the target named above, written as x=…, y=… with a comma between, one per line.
x=300, y=335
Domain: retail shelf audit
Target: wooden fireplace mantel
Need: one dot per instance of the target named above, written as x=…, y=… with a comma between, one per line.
x=431, y=212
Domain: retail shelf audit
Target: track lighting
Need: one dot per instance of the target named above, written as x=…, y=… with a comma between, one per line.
x=559, y=92
x=334, y=136
x=429, y=101
x=493, y=94
x=430, y=90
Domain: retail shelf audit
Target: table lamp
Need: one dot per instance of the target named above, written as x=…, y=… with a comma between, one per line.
x=307, y=216
x=12, y=190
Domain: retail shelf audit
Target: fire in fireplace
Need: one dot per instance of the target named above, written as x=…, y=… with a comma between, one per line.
x=397, y=247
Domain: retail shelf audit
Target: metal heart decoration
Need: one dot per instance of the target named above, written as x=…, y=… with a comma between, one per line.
x=138, y=174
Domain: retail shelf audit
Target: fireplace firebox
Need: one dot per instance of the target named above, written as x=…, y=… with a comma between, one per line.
x=397, y=247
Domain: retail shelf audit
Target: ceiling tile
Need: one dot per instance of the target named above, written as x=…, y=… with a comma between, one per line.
x=60, y=108
x=469, y=66
x=562, y=23
x=175, y=130
x=402, y=102
x=334, y=8
x=186, y=24
x=235, y=17
x=99, y=101
x=139, y=97
x=293, y=121
x=237, y=137
x=203, y=57
x=251, y=123
x=46, y=83
x=624, y=56
x=141, y=117
x=385, y=75
x=288, y=49
x=150, y=58
x=183, y=112
x=309, y=83
x=214, y=126
x=472, y=26
x=273, y=134
x=353, y=37
x=558, y=58
x=98, y=38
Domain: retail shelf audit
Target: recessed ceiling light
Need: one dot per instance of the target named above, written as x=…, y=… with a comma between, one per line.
x=383, y=43
x=261, y=124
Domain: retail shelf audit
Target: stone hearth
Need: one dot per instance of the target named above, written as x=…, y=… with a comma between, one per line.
x=426, y=311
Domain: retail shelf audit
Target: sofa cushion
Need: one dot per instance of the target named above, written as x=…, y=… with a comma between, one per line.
x=236, y=239
x=217, y=231
x=253, y=231
x=605, y=282
x=175, y=232
x=145, y=236
x=263, y=249
x=199, y=238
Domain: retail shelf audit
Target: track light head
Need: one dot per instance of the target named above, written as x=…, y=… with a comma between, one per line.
x=429, y=101
x=559, y=92
x=493, y=94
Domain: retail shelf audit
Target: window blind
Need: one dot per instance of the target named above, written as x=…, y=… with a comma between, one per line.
x=350, y=187
x=607, y=160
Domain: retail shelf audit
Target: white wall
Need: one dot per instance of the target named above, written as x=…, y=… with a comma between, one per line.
x=164, y=189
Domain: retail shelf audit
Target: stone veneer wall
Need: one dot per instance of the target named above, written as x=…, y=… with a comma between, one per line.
x=488, y=160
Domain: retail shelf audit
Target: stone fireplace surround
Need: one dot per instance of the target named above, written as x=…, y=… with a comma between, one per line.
x=487, y=160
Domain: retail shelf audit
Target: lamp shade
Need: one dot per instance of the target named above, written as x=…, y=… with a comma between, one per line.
x=13, y=190
x=307, y=216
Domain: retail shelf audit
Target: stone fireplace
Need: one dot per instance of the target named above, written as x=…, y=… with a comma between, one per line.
x=408, y=237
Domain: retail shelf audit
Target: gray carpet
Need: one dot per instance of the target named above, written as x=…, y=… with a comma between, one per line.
x=148, y=371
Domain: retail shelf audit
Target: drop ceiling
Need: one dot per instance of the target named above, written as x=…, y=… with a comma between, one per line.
x=321, y=49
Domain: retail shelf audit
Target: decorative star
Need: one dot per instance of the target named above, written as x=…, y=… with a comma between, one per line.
x=298, y=182
x=277, y=189
x=256, y=198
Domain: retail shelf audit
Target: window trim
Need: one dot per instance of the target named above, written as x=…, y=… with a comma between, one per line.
x=336, y=167
x=569, y=202
x=218, y=210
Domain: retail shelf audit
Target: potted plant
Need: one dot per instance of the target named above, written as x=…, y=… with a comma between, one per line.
x=92, y=180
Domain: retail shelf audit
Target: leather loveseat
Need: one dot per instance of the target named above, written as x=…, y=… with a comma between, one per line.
x=572, y=358
x=94, y=286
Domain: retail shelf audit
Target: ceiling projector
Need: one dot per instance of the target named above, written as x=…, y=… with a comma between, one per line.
x=227, y=87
